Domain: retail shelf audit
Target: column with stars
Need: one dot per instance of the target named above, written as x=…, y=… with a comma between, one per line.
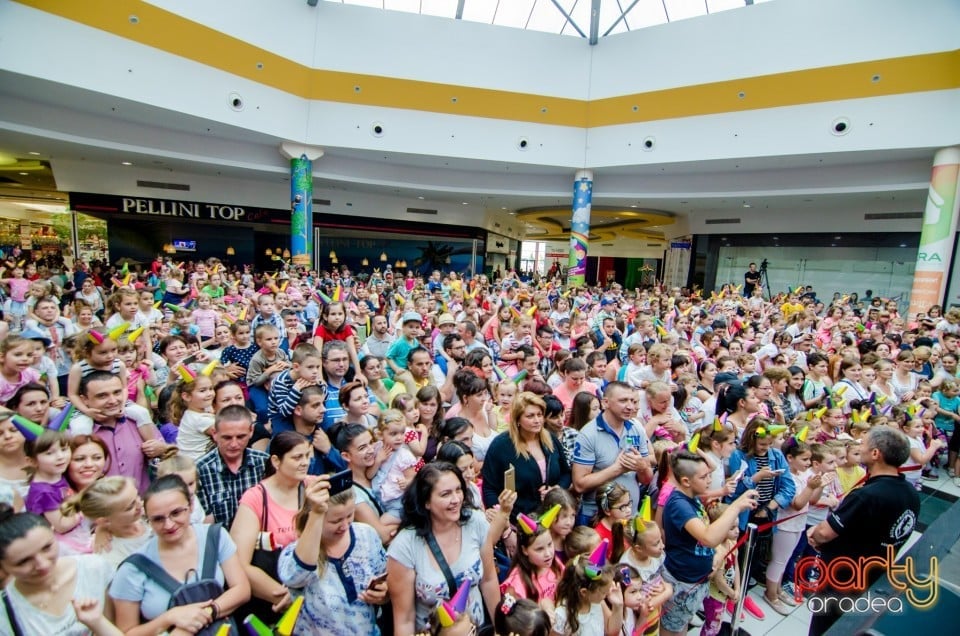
x=580, y=228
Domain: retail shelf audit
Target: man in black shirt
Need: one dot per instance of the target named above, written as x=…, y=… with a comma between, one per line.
x=750, y=280
x=882, y=513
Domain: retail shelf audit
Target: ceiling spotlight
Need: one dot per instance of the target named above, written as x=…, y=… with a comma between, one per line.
x=746, y=205
x=125, y=163
x=35, y=154
x=383, y=257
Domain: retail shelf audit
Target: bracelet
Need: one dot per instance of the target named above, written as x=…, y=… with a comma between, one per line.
x=214, y=610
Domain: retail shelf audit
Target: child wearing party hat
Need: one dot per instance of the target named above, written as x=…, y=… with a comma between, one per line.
x=587, y=605
x=97, y=350
x=536, y=571
x=691, y=538
x=645, y=557
x=49, y=455
x=191, y=410
x=725, y=580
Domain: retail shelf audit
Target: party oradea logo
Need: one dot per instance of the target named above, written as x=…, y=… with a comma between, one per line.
x=839, y=585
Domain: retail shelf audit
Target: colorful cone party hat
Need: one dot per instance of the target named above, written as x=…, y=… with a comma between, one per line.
x=449, y=611
x=256, y=627
x=289, y=619
x=62, y=420
x=186, y=373
x=547, y=518
x=599, y=555
x=528, y=525
x=30, y=430
x=117, y=332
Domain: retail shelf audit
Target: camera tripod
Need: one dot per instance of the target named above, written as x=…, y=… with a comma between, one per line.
x=765, y=280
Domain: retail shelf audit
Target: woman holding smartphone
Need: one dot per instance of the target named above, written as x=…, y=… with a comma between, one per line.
x=338, y=564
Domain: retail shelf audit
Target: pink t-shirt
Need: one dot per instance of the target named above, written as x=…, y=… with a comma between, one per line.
x=206, y=320
x=18, y=289
x=545, y=583
x=279, y=519
x=8, y=388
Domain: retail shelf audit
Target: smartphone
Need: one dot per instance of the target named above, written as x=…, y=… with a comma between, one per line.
x=510, y=479
x=189, y=360
x=377, y=580
x=778, y=471
x=737, y=476
x=341, y=481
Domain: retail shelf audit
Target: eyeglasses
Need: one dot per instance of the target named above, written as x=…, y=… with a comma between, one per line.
x=627, y=507
x=176, y=515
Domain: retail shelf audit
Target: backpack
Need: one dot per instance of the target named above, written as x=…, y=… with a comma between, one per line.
x=204, y=586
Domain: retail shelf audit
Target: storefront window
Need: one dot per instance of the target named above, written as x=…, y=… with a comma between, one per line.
x=42, y=233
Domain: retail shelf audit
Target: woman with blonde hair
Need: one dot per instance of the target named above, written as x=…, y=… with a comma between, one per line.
x=112, y=506
x=531, y=450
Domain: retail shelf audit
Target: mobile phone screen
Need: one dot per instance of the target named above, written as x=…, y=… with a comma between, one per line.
x=510, y=479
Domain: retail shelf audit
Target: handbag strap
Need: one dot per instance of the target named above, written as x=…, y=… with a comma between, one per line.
x=442, y=562
x=14, y=625
x=211, y=557
x=162, y=578
x=301, y=491
x=263, y=510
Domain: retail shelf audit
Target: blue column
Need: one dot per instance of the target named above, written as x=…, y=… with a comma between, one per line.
x=301, y=200
x=580, y=228
x=301, y=211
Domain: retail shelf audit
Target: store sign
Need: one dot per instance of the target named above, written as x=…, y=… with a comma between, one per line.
x=149, y=207
x=160, y=207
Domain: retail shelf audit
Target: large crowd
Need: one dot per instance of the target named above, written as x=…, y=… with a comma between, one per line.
x=189, y=447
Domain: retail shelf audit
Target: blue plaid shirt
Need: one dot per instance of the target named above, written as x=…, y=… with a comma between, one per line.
x=220, y=488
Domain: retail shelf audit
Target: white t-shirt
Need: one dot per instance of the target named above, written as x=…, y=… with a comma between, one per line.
x=591, y=623
x=192, y=440
x=93, y=576
x=430, y=587
x=913, y=476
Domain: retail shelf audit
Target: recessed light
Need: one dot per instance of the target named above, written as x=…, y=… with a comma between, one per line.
x=24, y=174
x=634, y=206
x=35, y=154
x=465, y=203
x=125, y=163
x=903, y=245
x=837, y=238
x=776, y=238
x=746, y=205
x=421, y=198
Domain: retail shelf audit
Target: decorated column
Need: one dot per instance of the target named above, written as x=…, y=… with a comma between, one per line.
x=937, y=235
x=301, y=200
x=580, y=228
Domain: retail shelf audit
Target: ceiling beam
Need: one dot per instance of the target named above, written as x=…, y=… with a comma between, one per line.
x=594, y=22
x=566, y=15
x=623, y=16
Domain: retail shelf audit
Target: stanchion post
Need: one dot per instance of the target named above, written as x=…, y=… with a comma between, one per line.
x=751, y=545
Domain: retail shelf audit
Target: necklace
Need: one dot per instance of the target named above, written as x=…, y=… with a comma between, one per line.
x=43, y=599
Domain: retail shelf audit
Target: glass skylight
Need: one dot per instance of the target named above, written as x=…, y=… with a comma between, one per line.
x=566, y=17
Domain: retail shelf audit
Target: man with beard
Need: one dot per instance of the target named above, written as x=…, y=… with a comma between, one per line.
x=379, y=340
x=447, y=363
